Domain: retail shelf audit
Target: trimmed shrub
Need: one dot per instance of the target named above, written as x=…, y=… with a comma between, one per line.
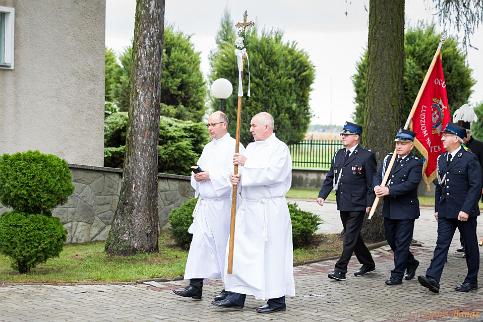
x=30, y=239
x=180, y=220
x=33, y=182
x=304, y=225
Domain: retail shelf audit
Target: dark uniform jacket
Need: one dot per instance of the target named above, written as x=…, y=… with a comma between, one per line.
x=459, y=185
x=477, y=148
x=402, y=201
x=354, y=178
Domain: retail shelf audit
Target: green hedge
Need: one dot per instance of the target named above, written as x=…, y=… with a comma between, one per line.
x=30, y=239
x=34, y=182
x=304, y=224
x=180, y=143
x=180, y=220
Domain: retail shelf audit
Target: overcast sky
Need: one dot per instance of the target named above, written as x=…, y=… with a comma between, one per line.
x=333, y=39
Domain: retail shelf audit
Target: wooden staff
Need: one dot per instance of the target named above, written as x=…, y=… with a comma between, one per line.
x=408, y=122
x=231, y=243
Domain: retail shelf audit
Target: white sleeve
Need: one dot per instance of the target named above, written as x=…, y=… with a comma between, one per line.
x=275, y=171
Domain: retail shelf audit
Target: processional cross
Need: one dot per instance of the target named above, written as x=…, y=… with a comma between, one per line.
x=241, y=54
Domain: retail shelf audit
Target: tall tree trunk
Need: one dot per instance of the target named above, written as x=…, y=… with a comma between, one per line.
x=135, y=225
x=384, y=88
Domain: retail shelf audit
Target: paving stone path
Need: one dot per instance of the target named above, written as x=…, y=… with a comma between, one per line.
x=317, y=298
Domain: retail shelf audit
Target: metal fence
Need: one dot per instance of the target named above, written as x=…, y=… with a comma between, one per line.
x=313, y=154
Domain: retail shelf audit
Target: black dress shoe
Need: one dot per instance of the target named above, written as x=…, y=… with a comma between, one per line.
x=411, y=270
x=271, y=308
x=230, y=302
x=337, y=275
x=364, y=270
x=393, y=281
x=223, y=294
x=461, y=250
x=189, y=291
x=429, y=283
x=466, y=287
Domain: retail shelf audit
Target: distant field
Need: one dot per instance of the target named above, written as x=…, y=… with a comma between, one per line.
x=322, y=136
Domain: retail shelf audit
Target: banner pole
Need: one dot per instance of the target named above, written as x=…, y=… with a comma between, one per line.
x=408, y=122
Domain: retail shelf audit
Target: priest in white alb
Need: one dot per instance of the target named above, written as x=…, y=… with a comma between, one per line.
x=211, y=217
x=263, y=250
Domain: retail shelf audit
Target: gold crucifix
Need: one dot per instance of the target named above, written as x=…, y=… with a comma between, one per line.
x=245, y=22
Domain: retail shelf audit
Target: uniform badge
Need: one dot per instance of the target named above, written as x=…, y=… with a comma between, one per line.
x=357, y=169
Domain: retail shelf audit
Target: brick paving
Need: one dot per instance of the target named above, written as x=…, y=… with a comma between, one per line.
x=317, y=298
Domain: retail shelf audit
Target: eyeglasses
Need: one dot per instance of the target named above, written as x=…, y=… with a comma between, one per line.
x=213, y=124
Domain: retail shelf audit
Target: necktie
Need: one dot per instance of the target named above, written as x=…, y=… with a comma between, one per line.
x=347, y=153
x=450, y=157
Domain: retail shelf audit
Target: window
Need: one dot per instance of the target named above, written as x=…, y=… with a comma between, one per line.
x=7, y=16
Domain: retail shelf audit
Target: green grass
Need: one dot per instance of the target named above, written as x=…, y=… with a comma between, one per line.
x=87, y=263
x=324, y=246
x=311, y=194
x=307, y=193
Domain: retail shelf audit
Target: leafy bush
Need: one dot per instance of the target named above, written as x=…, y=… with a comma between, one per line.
x=110, y=108
x=477, y=127
x=115, y=129
x=180, y=220
x=30, y=239
x=180, y=143
x=304, y=225
x=33, y=182
x=114, y=157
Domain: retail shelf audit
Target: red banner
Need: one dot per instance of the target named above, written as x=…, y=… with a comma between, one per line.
x=431, y=116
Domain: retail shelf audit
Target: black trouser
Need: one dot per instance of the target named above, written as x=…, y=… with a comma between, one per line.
x=462, y=240
x=353, y=243
x=196, y=283
x=239, y=299
x=446, y=229
x=399, y=234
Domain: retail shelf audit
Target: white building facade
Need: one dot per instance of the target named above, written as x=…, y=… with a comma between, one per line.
x=52, y=78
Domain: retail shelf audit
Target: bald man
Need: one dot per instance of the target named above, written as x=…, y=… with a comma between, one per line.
x=263, y=252
x=211, y=217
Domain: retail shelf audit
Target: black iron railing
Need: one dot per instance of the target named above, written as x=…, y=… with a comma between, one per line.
x=313, y=154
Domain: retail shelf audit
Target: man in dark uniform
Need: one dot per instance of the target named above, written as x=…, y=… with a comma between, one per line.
x=456, y=206
x=401, y=205
x=351, y=174
x=476, y=147
x=464, y=116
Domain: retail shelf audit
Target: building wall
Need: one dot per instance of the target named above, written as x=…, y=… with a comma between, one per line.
x=53, y=99
x=88, y=213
